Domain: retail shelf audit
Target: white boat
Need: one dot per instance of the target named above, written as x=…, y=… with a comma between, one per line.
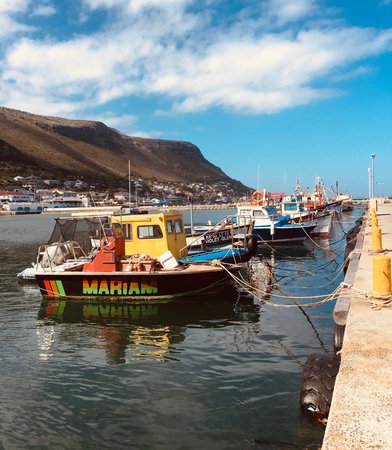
x=23, y=207
x=271, y=227
x=298, y=213
x=324, y=224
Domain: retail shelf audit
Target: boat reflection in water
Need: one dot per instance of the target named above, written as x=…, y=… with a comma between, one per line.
x=148, y=332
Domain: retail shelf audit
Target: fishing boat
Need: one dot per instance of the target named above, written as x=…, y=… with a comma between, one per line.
x=324, y=222
x=269, y=226
x=319, y=201
x=295, y=209
x=347, y=201
x=142, y=258
x=225, y=233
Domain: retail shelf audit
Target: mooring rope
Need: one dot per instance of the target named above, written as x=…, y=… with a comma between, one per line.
x=251, y=290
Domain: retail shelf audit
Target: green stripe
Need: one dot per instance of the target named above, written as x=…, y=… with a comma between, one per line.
x=60, y=287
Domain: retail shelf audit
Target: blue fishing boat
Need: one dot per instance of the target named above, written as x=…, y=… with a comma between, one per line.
x=239, y=252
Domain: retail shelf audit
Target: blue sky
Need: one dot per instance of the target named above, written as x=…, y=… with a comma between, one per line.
x=269, y=90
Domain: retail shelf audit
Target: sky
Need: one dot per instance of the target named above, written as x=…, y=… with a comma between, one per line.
x=269, y=90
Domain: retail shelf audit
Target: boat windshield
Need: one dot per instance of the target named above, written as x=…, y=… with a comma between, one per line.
x=271, y=210
x=290, y=207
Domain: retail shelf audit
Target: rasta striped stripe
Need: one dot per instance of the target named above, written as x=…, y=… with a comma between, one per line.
x=54, y=288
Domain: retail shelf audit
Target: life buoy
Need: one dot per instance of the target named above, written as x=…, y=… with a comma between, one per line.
x=257, y=198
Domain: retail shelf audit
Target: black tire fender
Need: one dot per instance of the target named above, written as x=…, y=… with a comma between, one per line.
x=318, y=382
x=251, y=244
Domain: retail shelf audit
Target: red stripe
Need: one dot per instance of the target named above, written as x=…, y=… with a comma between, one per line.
x=48, y=288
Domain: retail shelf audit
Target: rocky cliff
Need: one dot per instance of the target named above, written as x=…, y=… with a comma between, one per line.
x=60, y=148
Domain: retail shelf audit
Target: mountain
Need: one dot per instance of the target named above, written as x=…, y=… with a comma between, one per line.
x=59, y=148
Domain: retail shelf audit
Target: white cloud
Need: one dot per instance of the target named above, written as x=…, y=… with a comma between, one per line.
x=285, y=11
x=146, y=134
x=13, y=6
x=190, y=61
x=8, y=25
x=136, y=6
x=44, y=10
x=121, y=122
x=354, y=73
x=269, y=75
x=104, y=4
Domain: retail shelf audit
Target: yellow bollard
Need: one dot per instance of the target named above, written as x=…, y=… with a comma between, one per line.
x=374, y=221
x=382, y=276
x=376, y=239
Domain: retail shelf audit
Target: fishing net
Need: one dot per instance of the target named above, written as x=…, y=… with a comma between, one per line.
x=81, y=230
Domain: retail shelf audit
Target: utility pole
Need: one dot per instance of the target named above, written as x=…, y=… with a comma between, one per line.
x=370, y=182
x=373, y=177
x=129, y=184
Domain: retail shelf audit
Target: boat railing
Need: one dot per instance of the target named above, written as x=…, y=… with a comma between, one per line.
x=50, y=256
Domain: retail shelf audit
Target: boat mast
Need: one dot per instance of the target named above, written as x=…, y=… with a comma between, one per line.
x=129, y=184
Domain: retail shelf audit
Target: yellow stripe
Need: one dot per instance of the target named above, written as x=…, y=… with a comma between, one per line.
x=54, y=287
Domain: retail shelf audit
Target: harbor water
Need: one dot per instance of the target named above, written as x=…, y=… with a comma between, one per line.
x=222, y=373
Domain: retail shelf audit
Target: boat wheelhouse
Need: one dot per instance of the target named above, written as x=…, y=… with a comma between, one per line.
x=165, y=231
x=158, y=232
x=271, y=227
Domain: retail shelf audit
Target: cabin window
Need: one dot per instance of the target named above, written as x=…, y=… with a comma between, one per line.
x=127, y=231
x=290, y=207
x=107, y=230
x=178, y=226
x=169, y=226
x=149, y=232
x=118, y=231
x=258, y=213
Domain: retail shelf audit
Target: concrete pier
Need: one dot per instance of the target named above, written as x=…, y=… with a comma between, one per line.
x=361, y=410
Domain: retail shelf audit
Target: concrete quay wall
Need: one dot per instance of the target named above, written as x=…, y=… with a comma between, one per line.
x=361, y=411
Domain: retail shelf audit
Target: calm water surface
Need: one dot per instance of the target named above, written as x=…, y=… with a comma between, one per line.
x=219, y=375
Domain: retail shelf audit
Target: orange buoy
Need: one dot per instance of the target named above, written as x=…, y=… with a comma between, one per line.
x=258, y=198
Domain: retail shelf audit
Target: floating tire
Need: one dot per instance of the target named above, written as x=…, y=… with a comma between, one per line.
x=251, y=244
x=317, y=385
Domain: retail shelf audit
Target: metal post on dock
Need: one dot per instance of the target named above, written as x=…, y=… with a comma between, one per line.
x=374, y=218
x=376, y=239
x=373, y=156
x=190, y=200
x=129, y=185
x=382, y=277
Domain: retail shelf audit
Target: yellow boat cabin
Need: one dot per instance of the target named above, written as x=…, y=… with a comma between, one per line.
x=153, y=234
